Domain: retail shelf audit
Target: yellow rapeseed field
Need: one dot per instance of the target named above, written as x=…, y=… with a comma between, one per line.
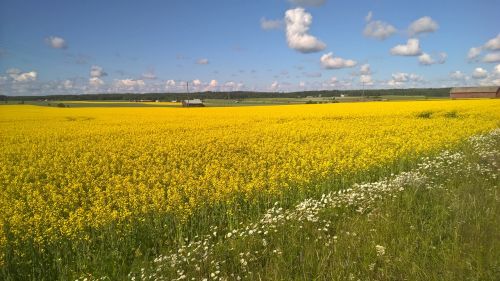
x=64, y=171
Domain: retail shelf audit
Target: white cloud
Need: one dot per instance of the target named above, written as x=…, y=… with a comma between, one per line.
x=366, y=79
x=67, y=84
x=95, y=82
x=365, y=69
x=196, y=82
x=479, y=73
x=400, y=78
x=129, y=84
x=496, y=70
x=270, y=24
x=56, y=42
x=297, y=23
x=307, y=2
x=302, y=84
x=422, y=25
x=492, y=57
x=379, y=30
x=457, y=75
x=490, y=81
x=330, y=62
x=26, y=76
x=474, y=52
x=18, y=76
x=493, y=44
x=426, y=59
x=369, y=16
x=212, y=85
x=231, y=86
x=202, y=61
x=170, y=83
x=274, y=86
x=97, y=71
x=412, y=48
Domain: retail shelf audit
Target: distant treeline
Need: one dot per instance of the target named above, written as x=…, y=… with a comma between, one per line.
x=430, y=92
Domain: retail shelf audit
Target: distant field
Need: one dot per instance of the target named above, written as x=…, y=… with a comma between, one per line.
x=95, y=191
x=210, y=102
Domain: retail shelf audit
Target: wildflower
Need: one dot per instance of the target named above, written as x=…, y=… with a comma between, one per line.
x=380, y=250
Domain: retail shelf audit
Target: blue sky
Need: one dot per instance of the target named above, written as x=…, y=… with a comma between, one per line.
x=57, y=47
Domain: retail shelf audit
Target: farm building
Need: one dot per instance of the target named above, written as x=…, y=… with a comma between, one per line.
x=193, y=103
x=475, y=92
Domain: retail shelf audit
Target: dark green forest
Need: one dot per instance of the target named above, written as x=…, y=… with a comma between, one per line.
x=429, y=92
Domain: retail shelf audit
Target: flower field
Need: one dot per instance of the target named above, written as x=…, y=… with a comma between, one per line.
x=71, y=176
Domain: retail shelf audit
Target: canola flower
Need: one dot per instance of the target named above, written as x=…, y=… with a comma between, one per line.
x=65, y=171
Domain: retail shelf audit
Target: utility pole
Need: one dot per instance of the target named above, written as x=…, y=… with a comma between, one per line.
x=187, y=90
x=363, y=89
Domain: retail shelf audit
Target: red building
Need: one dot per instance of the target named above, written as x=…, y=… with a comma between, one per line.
x=475, y=92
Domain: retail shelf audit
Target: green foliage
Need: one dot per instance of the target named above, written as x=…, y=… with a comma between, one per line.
x=429, y=92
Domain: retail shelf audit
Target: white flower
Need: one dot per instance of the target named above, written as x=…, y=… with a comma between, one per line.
x=380, y=250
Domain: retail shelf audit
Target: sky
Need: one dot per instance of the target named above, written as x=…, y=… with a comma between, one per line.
x=79, y=47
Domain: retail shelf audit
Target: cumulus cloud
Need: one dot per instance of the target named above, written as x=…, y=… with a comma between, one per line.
x=196, y=82
x=297, y=22
x=492, y=57
x=479, y=73
x=170, y=84
x=422, y=25
x=95, y=82
x=474, y=52
x=457, y=75
x=412, y=48
x=307, y=2
x=270, y=24
x=56, y=42
x=400, y=78
x=328, y=61
x=212, y=85
x=67, y=84
x=97, y=71
x=377, y=29
x=26, y=76
x=493, y=44
x=426, y=59
x=202, y=61
x=129, y=84
x=274, y=86
x=231, y=86
x=366, y=80
x=496, y=70
x=365, y=69
x=17, y=75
